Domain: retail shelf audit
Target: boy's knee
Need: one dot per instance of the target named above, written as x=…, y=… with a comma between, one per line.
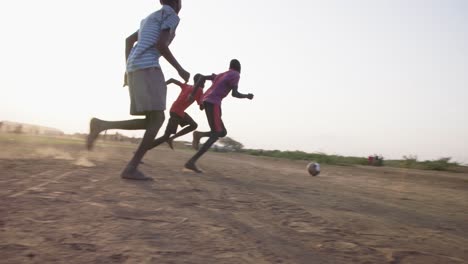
x=222, y=134
x=154, y=120
x=166, y=136
x=219, y=134
x=214, y=135
x=160, y=116
x=194, y=126
x=156, y=117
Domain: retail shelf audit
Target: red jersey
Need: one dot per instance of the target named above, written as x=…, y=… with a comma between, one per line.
x=182, y=102
x=222, y=85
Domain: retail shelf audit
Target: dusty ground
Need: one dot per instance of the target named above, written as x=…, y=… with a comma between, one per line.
x=61, y=205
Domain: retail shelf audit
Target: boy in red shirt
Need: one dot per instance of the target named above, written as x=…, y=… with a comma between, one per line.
x=178, y=114
x=223, y=84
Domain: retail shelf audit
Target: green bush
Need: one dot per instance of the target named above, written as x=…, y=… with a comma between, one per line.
x=441, y=164
x=410, y=161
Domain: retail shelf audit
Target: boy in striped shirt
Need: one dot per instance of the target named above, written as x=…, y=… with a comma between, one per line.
x=146, y=81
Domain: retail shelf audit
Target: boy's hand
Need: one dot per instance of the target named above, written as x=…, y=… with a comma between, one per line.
x=184, y=74
x=250, y=96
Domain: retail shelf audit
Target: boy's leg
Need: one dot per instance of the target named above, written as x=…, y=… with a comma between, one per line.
x=155, y=119
x=213, y=114
x=197, y=135
x=145, y=88
x=171, y=128
x=189, y=125
x=160, y=140
x=96, y=126
x=191, y=163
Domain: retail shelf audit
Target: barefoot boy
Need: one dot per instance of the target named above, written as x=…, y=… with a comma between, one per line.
x=178, y=115
x=222, y=84
x=146, y=81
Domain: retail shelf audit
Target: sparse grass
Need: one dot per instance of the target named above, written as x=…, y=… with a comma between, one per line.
x=442, y=164
x=301, y=155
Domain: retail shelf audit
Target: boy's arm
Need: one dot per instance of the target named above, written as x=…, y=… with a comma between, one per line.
x=129, y=43
x=210, y=77
x=199, y=99
x=197, y=85
x=235, y=93
x=174, y=81
x=163, y=47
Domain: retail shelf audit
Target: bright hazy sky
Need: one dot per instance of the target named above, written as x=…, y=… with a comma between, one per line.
x=342, y=77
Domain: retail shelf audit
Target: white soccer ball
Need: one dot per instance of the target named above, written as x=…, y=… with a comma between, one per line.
x=313, y=168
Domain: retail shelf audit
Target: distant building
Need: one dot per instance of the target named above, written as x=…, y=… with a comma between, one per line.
x=21, y=128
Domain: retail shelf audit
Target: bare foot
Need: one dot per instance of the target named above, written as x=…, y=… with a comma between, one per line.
x=169, y=142
x=196, y=140
x=94, y=130
x=191, y=166
x=134, y=175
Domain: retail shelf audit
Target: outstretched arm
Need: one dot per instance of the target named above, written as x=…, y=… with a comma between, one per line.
x=163, y=47
x=198, y=84
x=174, y=81
x=129, y=43
x=237, y=94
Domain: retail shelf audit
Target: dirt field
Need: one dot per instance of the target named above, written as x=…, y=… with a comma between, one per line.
x=60, y=204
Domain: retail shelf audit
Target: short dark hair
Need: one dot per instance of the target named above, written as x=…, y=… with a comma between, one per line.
x=175, y=4
x=168, y=2
x=197, y=77
x=235, y=65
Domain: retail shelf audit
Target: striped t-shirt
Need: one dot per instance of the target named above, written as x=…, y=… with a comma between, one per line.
x=144, y=54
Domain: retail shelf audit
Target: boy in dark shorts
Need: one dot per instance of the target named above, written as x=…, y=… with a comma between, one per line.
x=223, y=84
x=178, y=115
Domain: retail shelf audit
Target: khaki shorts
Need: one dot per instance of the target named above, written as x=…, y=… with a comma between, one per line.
x=148, y=91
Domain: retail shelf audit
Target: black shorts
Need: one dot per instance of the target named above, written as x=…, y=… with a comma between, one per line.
x=213, y=114
x=175, y=120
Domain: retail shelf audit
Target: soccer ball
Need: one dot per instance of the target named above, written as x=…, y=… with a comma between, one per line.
x=313, y=168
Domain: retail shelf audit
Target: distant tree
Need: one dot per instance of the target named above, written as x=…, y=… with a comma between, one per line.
x=231, y=144
x=410, y=161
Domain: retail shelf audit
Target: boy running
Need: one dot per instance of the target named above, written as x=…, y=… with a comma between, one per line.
x=222, y=84
x=146, y=81
x=178, y=114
